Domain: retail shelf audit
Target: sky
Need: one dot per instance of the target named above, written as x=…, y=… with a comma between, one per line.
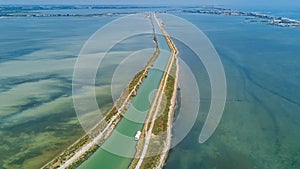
x=250, y=3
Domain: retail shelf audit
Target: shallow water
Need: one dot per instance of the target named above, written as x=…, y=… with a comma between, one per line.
x=37, y=56
x=120, y=148
x=261, y=117
x=261, y=122
x=37, y=118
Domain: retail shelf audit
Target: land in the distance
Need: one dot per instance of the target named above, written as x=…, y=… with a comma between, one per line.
x=78, y=152
x=83, y=148
x=263, y=18
x=153, y=147
x=35, y=11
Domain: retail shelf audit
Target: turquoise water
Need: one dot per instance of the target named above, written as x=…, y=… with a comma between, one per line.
x=37, y=57
x=261, y=122
x=117, y=149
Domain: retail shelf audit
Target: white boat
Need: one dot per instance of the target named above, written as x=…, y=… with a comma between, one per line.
x=137, y=135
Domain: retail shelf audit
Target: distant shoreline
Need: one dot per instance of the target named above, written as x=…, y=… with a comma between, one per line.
x=85, y=146
x=149, y=154
x=9, y=11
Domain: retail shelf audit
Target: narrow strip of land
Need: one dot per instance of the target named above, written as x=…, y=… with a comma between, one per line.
x=143, y=153
x=89, y=143
x=78, y=152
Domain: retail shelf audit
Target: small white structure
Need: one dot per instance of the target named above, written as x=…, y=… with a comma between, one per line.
x=137, y=135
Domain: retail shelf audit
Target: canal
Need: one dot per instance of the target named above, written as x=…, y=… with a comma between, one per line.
x=119, y=149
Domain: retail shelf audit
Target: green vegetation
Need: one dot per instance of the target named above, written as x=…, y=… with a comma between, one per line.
x=69, y=152
x=111, y=113
x=83, y=158
x=157, y=143
x=140, y=76
x=136, y=79
x=159, y=140
x=107, y=120
x=161, y=123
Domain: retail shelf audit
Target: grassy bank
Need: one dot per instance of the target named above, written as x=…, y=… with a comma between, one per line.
x=106, y=125
x=153, y=147
x=159, y=137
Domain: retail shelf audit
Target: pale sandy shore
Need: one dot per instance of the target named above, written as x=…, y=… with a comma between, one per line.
x=155, y=106
x=167, y=147
x=104, y=133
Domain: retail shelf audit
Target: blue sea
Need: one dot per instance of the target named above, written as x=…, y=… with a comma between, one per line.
x=260, y=125
x=261, y=120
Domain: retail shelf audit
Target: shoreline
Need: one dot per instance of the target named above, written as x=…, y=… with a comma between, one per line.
x=82, y=148
x=85, y=146
x=172, y=108
x=147, y=133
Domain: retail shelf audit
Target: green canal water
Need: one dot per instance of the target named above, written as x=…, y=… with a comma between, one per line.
x=119, y=148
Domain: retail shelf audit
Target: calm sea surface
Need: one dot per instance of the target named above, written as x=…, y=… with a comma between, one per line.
x=261, y=122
